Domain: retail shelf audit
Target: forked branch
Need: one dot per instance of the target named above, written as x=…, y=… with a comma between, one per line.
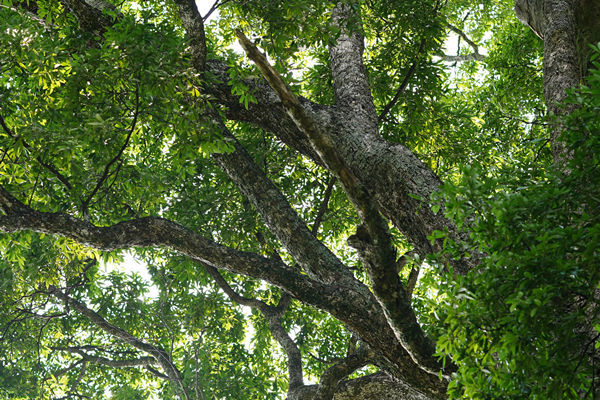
x=375, y=240
x=330, y=379
x=273, y=316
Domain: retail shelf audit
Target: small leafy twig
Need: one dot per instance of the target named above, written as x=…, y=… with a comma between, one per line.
x=404, y=82
x=105, y=174
x=212, y=9
x=48, y=166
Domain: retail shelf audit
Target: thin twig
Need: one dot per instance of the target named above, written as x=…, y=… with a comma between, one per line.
x=215, y=5
x=323, y=361
x=323, y=207
x=197, y=390
x=161, y=317
x=404, y=83
x=37, y=178
x=79, y=377
x=464, y=36
x=105, y=174
x=273, y=316
x=412, y=280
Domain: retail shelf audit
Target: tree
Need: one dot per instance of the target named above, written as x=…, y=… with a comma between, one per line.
x=305, y=186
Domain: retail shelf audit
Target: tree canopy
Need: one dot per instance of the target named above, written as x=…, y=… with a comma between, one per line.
x=358, y=199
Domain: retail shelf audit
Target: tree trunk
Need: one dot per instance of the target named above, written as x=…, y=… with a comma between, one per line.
x=567, y=28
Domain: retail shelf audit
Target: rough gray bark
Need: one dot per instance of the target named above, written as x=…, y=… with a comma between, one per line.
x=352, y=304
x=316, y=259
x=567, y=27
x=375, y=245
x=194, y=28
x=375, y=161
x=363, y=157
x=378, y=386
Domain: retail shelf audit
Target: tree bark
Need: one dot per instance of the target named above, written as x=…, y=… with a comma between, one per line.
x=567, y=28
x=378, y=386
x=352, y=304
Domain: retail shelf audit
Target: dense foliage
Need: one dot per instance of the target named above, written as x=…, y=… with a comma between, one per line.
x=517, y=325
x=109, y=124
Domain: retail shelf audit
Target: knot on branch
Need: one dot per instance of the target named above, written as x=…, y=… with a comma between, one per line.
x=361, y=240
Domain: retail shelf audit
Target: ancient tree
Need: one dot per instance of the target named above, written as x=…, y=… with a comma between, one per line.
x=287, y=197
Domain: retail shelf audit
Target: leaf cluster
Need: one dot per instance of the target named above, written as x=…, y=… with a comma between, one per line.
x=523, y=325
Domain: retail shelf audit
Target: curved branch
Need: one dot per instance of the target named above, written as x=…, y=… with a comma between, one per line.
x=150, y=231
x=273, y=316
x=161, y=356
x=232, y=294
x=377, y=249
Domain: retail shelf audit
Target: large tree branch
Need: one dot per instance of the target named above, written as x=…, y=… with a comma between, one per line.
x=280, y=217
x=350, y=80
x=377, y=249
x=374, y=386
x=372, y=159
x=267, y=113
x=567, y=27
x=530, y=13
x=328, y=383
x=149, y=231
x=194, y=28
x=353, y=305
x=92, y=15
x=380, y=163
